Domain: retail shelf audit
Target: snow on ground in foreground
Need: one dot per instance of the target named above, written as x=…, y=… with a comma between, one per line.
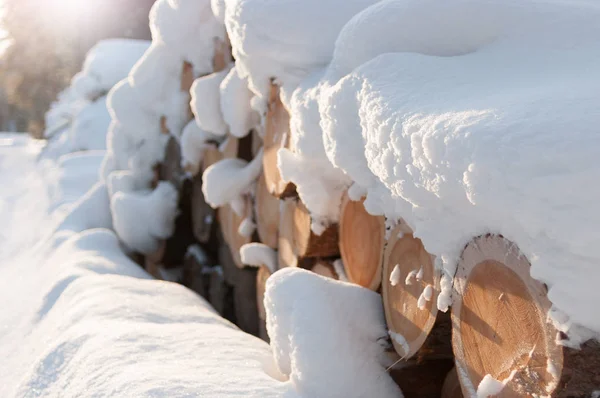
x=80, y=318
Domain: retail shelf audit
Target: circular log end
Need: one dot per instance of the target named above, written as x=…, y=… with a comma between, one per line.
x=362, y=239
x=286, y=255
x=500, y=324
x=410, y=286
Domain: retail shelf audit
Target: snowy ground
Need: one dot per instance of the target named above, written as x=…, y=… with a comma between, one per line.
x=75, y=322
x=81, y=319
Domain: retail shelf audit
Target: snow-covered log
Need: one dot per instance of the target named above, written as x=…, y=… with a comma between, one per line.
x=307, y=243
x=362, y=240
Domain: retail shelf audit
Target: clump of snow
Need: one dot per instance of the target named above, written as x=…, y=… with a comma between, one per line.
x=206, y=103
x=322, y=330
x=246, y=228
x=395, y=276
x=489, y=387
x=425, y=296
x=236, y=106
x=142, y=219
x=457, y=152
x=258, y=254
x=227, y=179
x=338, y=266
x=193, y=144
x=285, y=40
x=400, y=340
x=81, y=111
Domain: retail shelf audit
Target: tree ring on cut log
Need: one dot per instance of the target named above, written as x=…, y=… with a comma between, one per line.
x=267, y=214
x=414, y=274
x=362, y=240
x=500, y=322
x=277, y=135
x=308, y=244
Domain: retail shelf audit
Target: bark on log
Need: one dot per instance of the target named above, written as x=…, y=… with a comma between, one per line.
x=410, y=287
x=308, y=244
x=362, y=240
x=277, y=135
x=267, y=214
x=501, y=328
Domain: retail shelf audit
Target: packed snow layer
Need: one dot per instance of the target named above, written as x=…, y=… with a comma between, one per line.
x=285, y=40
x=189, y=29
x=206, y=103
x=501, y=137
x=325, y=335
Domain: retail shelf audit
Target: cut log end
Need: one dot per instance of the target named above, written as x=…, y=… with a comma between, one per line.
x=203, y=216
x=285, y=240
x=500, y=323
x=267, y=214
x=308, y=244
x=362, y=239
x=211, y=156
x=324, y=268
x=410, y=286
x=261, y=284
x=235, y=239
x=277, y=135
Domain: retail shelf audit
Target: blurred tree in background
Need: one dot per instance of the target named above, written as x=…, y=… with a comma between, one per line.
x=46, y=44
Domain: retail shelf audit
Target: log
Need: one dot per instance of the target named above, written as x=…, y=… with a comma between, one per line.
x=195, y=265
x=203, y=216
x=324, y=268
x=229, y=148
x=245, y=300
x=261, y=282
x=187, y=77
x=277, y=135
x=501, y=326
x=183, y=234
x=170, y=168
x=257, y=142
x=285, y=241
x=308, y=244
x=211, y=156
x=451, y=387
x=232, y=226
x=267, y=214
x=222, y=55
x=410, y=286
x=422, y=379
x=362, y=240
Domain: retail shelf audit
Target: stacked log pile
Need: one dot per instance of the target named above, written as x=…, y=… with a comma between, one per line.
x=496, y=335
